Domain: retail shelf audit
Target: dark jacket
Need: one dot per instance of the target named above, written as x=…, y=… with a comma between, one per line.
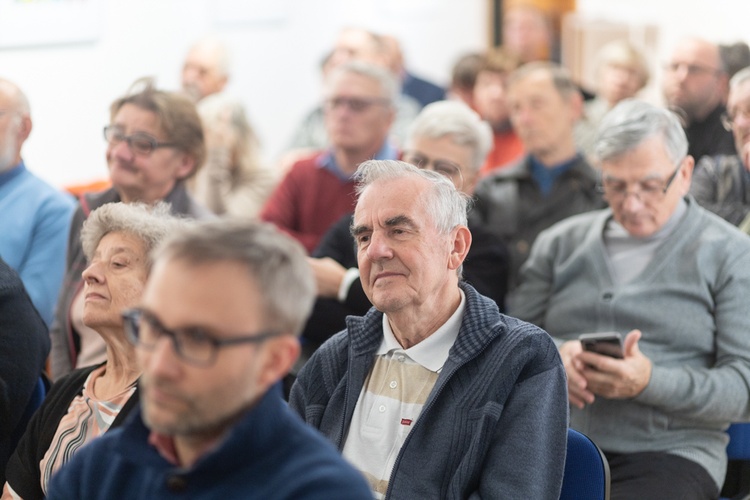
x=24, y=345
x=510, y=204
x=494, y=426
x=268, y=454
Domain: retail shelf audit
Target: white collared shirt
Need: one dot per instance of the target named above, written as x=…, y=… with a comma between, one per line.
x=393, y=396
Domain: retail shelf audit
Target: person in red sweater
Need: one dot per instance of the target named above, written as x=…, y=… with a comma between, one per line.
x=318, y=190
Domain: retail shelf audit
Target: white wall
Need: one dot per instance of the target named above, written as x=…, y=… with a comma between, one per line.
x=275, y=63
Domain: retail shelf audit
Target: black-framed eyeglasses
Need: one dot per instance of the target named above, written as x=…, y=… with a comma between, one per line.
x=192, y=344
x=139, y=143
x=356, y=104
x=445, y=167
x=648, y=190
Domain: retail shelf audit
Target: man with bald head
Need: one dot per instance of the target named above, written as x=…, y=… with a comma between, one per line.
x=206, y=69
x=35, y=216
x=695, y=86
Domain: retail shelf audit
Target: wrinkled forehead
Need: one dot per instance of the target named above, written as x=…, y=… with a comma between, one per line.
x=696, y=52
x=386, y=198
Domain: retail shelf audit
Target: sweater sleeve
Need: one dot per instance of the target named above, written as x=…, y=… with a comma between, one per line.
x=720, y=392
x=43, y=268
x=530, y=300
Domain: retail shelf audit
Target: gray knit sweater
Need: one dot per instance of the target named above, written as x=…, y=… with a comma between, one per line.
x=691, y=304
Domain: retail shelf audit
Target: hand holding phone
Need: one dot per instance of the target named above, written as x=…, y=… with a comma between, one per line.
x=607, y=343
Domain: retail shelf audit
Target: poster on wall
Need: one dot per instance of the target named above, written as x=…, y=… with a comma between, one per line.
x=29, y=23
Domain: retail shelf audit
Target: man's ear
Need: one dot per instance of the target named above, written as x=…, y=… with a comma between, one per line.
x=186, y=167
x=460, y=247
x=281, y=354
x=25, y=129
x=686, y=173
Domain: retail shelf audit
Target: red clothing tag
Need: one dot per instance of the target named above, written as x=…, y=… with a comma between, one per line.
x=405, y=421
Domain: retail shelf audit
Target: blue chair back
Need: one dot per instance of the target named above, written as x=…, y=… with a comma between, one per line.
x=586, y=470
x=739, y=442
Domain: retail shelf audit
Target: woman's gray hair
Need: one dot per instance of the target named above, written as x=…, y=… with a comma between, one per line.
x=389, y=87
x=276, y=263
x=447, y=204
x=457, y=120
x=631, y=122
x=149, y=223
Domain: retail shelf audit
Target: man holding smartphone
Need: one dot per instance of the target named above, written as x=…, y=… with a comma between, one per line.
x=674, y=280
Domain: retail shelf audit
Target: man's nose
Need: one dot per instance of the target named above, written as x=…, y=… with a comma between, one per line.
x=163, y=359
x=379, y=247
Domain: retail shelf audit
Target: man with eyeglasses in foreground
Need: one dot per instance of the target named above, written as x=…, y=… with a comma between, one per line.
x=215, y=333
x=674, y=280
x=722, y=182
x=318, y=190
x=451, y=139
x=695, y=87
x=434, y=393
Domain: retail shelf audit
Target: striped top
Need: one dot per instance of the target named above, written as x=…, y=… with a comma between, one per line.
x=392, y=399
x=88, y=417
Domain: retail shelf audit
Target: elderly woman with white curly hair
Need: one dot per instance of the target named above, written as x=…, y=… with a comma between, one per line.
x=117, y=239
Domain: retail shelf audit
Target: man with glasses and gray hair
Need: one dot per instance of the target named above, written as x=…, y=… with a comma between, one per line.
x=674, y=280
x=451, y=139
x=722, y=182
x=215, y=331
x=434, y=393
x=695, y=87
x=318, y=190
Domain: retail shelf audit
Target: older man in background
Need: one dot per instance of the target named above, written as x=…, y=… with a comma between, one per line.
x=35, y=217
x=553, y=181
x=206, y=68
x=446, y=137
x=695, y=87
x=434, y=393
x=319, y=189
x=722, y=182
x=674, y=280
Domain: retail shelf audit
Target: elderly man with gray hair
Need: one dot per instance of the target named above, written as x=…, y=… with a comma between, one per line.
x=318, y=190
x=674, y=280
x=722, y=182
x=449, y=138
x=434, y=393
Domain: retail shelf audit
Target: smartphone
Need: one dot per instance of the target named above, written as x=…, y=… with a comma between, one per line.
x=607, y=343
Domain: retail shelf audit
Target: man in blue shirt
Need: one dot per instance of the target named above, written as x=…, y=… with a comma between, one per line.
x=36, y=216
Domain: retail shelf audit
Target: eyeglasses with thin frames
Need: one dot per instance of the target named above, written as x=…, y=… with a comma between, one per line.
x=447, y=168
x=355, y=104
x=648, y=190
x=194, y=345
x=139, y=143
